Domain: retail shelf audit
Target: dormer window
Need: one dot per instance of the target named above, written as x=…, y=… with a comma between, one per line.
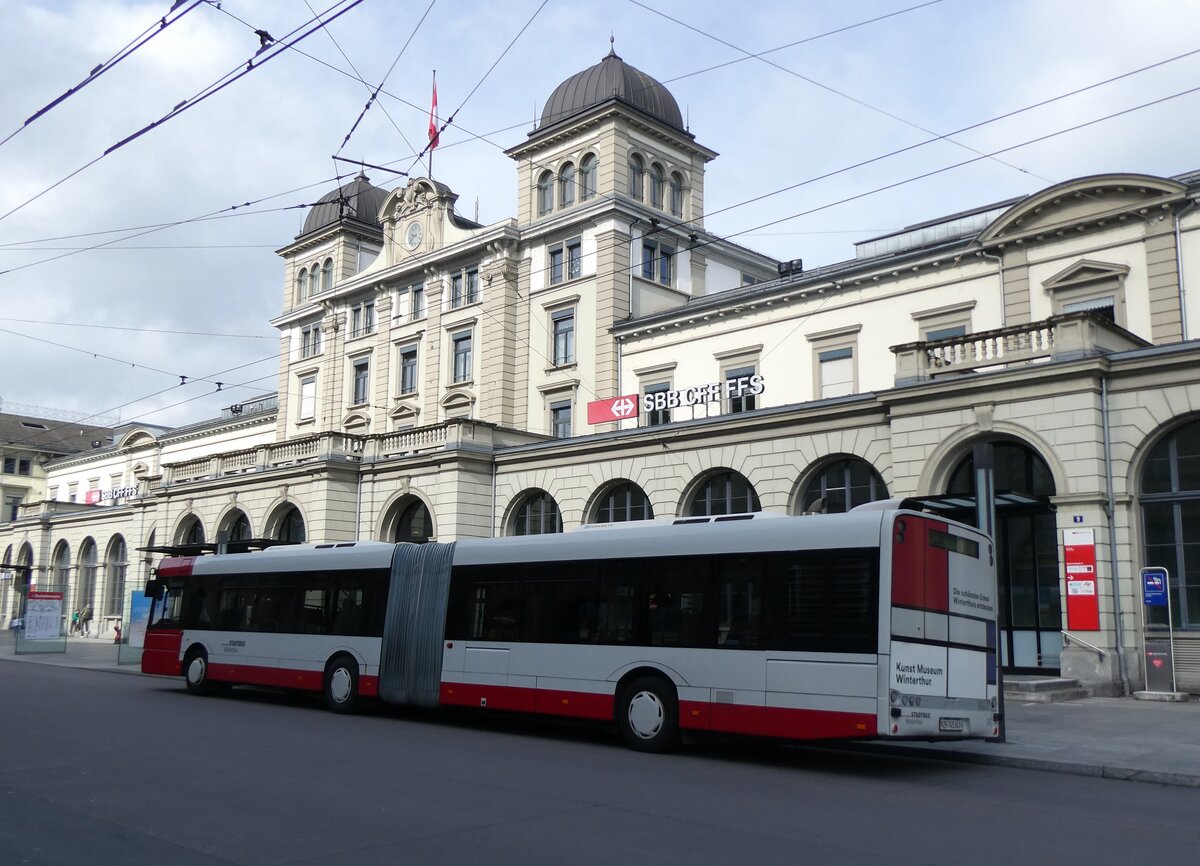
x=566, y=186
x=587, y=177
x=545, y=193
x=636, y=168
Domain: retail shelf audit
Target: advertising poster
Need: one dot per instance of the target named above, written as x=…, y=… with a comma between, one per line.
x=139, y=618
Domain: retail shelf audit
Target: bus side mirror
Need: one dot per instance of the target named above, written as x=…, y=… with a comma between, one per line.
x=153, y=588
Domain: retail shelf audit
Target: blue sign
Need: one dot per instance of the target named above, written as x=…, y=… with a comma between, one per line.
x=1154, y=587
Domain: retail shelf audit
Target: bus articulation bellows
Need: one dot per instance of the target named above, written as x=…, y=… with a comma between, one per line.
x=878, y=623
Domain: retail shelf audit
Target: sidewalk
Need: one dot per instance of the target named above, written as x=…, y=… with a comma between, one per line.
x=1114, y=738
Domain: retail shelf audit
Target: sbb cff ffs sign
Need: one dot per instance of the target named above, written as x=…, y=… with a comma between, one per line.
x=626, y=406
x=612, y=409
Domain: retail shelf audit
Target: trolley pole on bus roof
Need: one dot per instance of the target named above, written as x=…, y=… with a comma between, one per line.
x=985, y=519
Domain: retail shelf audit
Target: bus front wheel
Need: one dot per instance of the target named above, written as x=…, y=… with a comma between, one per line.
x=341, y=684
x=648, y=715
x=195, y=672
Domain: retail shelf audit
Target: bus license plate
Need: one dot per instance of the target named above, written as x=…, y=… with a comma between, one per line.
x=956, y=725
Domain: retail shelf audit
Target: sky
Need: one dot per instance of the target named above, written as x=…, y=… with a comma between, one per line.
x=189, y=213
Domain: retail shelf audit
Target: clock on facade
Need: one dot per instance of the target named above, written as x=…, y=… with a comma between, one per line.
x=412, y=237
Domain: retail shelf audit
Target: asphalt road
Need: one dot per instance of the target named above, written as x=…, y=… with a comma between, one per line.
x=103, y=768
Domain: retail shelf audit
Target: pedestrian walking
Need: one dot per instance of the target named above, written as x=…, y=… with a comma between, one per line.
x=117, y=633
x=75, y=625
x=85, y=620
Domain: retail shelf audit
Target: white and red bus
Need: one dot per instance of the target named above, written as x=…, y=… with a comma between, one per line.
x=878, y=623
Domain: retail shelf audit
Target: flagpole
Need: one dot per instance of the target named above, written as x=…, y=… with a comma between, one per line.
x=432, y=125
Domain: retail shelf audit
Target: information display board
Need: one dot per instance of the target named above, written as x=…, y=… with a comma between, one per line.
x=1083, y=599
x=43, y=616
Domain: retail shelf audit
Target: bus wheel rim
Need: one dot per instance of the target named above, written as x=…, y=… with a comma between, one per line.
x=196, y=671
x=339, y=685
x=645, y=715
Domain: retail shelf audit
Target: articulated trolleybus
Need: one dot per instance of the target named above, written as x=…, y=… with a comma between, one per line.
x=878, y=623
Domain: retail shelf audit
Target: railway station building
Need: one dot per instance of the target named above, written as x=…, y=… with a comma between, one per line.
x=602, y=357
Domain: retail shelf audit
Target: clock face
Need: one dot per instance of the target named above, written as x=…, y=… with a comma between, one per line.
x=412, y=237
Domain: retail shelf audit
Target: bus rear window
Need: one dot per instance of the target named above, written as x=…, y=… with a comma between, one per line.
x=953, y=543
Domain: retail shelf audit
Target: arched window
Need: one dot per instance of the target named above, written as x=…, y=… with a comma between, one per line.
x=314, y=284
x=1170, y=498
x=566, y=186
x=115, y=567
x=192, y=531
x=623, y=501
x=724, y=492
x=537, y=515
x=587, y=177
x=302, y=285
x=636, y=169
x=676, y=194
x=5, y=585
x=545, y=193
x=415, y=523
x=291, y=526
x=656, y=185
x=842, y=485
x=239, y=527
x=62, y=565
x=327, y=275
x=87, y=574
x=1016, y=466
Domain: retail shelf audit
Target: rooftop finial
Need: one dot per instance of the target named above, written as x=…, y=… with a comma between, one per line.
x=612, y=45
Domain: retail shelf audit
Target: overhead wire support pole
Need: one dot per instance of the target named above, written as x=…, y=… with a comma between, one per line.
x=359, y=162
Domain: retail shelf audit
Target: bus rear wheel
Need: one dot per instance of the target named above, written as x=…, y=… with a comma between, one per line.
x=648, y=715
x=341, y=684
x=195, y=672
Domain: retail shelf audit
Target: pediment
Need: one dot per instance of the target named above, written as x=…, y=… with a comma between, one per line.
x=1083, y=201
x=459, y=398
x=1083, y=272
x=404, y=410
x=356, y=421
x=137, y=438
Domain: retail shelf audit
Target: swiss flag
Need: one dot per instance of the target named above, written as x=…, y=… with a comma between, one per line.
x=434, y=137
x=613, y=409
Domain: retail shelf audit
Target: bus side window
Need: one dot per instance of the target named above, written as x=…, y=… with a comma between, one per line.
x=618, y=588
x=739, y=601
x=677, y=602
x=559, y=602
x=495, y=604
x=823, y=602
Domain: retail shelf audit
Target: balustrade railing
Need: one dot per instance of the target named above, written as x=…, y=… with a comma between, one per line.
x=322, y=446
x=1070, y=335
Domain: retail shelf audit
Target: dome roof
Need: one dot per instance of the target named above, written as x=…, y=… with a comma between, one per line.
x=362, y=202
x=611, y=78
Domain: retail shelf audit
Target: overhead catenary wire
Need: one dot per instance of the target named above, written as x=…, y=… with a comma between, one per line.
x=958, y=164
x=131, y=328
x=220, y=214
x=829, y=89
x=256, y=62
x=133, y=45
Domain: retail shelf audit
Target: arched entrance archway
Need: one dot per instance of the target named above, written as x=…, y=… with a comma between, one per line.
x=1027, y=569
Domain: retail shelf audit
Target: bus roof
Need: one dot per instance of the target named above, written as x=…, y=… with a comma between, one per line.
x=685, y=536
